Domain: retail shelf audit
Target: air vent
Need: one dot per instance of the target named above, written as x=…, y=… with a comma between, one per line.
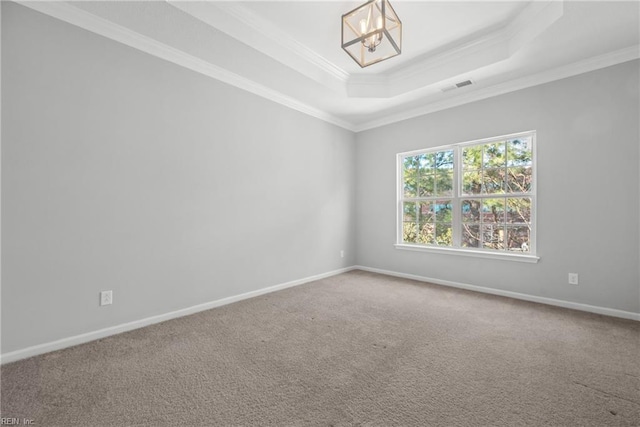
x=457, y=85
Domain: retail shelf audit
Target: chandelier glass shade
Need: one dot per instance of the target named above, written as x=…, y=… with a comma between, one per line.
x=372, y=33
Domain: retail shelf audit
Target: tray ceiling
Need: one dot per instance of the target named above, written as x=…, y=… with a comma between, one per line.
x=289, y=51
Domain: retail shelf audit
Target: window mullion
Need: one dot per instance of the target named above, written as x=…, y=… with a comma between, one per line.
x=457, y=190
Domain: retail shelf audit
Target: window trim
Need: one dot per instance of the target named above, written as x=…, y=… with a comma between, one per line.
x=457, y=197
x=475, y=253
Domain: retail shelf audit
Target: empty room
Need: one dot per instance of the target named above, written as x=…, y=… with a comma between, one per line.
x=320, y=213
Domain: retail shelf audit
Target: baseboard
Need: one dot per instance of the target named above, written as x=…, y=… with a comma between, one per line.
x=102, y=333
x=113, y=330
x=516, y=295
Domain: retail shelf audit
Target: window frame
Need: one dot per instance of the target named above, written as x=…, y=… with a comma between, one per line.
x=457, y=196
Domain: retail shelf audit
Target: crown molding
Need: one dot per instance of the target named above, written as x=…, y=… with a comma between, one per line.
x=496, y=44
x=470, y=53
x=266, y=29
x=72, y=15
x=80, y=18
x=532, y=21
x=239, y=22
x=430, y=68
x=584, y=66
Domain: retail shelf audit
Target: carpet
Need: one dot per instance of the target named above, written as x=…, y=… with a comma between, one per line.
x=357, y=349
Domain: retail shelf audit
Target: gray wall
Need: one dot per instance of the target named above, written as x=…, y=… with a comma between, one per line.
x=121, y=171
x=587, y=216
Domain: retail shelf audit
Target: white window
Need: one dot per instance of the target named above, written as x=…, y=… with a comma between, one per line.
x=476, y=198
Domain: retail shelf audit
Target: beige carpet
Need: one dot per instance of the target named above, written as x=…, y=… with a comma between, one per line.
x=354, y=349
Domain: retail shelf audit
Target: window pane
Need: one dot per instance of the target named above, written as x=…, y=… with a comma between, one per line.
x=411, y=162
x=409, y=232
x=493, y=236
x=426, y=184
x=519, y=180
x=494, y=155
x=472, y=182
x=409, y=211
x=410, y=176
x=471, y=210
x=427, y=231
x=426, y=212
x=519, y=152
x=470, y=236
x=444, y=182
x=444, y=159
x=444, y=235
x=519, y=210
x=493, y=181
x=518, y=238
x=410, y=188
x=443, y=209
x=492, y=210
x=472, y=157
x=425, y=161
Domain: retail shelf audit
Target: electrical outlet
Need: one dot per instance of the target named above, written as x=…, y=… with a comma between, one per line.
x=573, y=278
x=342, y=253
x=106, y=297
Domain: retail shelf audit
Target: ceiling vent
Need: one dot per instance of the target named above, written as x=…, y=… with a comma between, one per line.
x=457, y=85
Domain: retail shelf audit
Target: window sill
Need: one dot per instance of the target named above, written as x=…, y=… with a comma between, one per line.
x=507, y=256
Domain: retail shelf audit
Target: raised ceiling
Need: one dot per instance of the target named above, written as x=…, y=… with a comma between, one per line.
x=289, y=51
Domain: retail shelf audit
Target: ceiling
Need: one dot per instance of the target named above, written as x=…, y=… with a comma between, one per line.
x=289, y=51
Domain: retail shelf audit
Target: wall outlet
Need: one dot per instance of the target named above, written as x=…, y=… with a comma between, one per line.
x=106, y=297
x=573, y=278
x=342, y=253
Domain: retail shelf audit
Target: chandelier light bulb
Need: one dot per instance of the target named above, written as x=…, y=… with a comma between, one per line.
x=374, y=40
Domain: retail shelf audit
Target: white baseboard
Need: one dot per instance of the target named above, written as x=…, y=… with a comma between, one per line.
x=102, y=333
x=543, y=300
x=136, y=324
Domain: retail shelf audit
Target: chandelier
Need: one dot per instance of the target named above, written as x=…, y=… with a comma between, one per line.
x=372, y=33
